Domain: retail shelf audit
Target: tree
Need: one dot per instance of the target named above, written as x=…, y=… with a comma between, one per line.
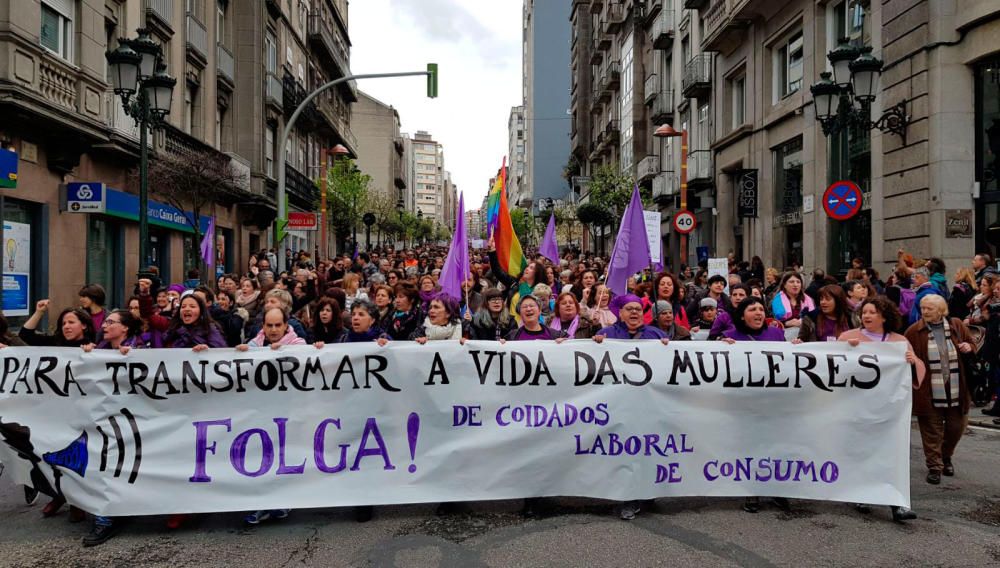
x=193, y=184
x=346, y=193
x=522, y=222
x=611, y=188
x=567, y=223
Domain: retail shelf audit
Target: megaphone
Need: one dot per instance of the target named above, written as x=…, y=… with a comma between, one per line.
x=73, y=457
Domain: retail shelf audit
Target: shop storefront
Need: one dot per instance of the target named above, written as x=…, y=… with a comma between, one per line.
x=987, y=121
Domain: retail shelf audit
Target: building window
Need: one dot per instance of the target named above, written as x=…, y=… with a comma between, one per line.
x=56, y=32
x=737, y=110
x=788, y=181
x=788, y=67
x=269, y=137
x=219, y=112
x=270, y=52
x=625, y=108
x=220, y=22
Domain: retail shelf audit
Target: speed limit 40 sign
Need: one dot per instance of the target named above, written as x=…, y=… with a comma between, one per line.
x=684, y=222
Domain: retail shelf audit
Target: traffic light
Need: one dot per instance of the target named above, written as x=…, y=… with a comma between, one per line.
x=432, y=80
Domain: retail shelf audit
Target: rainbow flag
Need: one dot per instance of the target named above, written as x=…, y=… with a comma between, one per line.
x=493, y=201
x=509, y=253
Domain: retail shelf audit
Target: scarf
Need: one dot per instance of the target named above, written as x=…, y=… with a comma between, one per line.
x=944, y=381
x=372, y=334
x=484, y=320
x=426, y=297
x=782, y=309
x=242, y=300
x=571, y=330
x=436, y=332
x=401, y=320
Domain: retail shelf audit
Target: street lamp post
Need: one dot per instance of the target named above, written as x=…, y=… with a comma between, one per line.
x=842, y=99
x=432, y=92
x=420, y=218
x=667, y=131
x=137, y=70
x=400, y=206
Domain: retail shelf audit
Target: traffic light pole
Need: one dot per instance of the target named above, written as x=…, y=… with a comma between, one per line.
x=431, y=74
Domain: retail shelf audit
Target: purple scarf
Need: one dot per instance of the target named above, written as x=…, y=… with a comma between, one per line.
x=571, y=331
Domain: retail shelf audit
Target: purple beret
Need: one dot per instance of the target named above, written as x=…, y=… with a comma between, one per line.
x=179, y=288
x=618, y=302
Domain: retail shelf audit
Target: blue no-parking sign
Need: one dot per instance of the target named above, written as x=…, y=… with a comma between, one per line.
x=842, y=200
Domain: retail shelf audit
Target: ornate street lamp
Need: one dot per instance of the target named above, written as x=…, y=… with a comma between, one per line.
x=140, y=79
x=842, y=99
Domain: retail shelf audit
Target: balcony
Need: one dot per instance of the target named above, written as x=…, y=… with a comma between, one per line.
x=699, y=169
x=664, y=187
x=273, y=94
x=596, y=6
x=663, y=30
x=612, y=129
x=726, y=23
x=610, y=77
x=663, y=108
x=697, y=82
x=614, y=18
x=302, y=191
x=226, y=65
x=197, y=39
x=695, y=4
x=653, y=8
x=324, y=40
x=651, y=87
x=596, y=55
x=648, y=168
x=603, y=41
x=595, y=101
x=339, y=126
x=160, y=14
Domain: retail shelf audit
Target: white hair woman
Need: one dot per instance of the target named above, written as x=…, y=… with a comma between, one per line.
x=941, y=402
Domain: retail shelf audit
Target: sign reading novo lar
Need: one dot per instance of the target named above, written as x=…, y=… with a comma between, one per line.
x=166, y=431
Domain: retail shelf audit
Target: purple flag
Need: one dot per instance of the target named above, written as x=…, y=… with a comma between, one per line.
x=208, y=244
x=631, y=252
x=549, y=248
x=659, y=265
x=456, y=265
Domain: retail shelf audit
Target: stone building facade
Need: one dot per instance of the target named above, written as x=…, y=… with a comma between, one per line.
x=735, y=74
x=230, y=60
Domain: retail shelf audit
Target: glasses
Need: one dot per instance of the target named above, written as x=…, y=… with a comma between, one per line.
x=111, y=321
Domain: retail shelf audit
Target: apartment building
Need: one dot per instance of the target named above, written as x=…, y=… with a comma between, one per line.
x=735, y=76
x=380, y=147
x=926, y=167
x=230, y=100
x=518, y=190
x=546, y=99
x=429, y=174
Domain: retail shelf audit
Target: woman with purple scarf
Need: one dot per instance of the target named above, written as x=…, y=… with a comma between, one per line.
x=567, y=317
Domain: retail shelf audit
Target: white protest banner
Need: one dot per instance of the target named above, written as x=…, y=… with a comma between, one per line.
x=720, y=267
x=171, y=431
x=652, y=219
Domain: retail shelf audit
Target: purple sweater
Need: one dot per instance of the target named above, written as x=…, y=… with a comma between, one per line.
x=769, y=333
x=620, y=331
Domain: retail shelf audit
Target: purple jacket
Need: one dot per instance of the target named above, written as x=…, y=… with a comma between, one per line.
x=723, y=323
x=620, y=331
x=769, y=333
x=185, y=337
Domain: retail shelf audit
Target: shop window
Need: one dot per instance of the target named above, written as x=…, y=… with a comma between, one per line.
x=103, y=257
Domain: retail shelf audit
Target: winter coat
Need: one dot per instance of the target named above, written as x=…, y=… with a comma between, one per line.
x=230, y=323
x=958, y=304
x=186, y=337
x=620, y=331
x=918, y=335
x=924, y=290
x=768, y=333
x=290, y=338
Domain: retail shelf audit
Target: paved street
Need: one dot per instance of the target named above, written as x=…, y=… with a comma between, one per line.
x=959, y=525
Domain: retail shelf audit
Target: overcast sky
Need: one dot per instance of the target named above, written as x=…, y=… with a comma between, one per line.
x=477, y=46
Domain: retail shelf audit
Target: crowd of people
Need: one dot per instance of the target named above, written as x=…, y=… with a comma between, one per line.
x=388, y=295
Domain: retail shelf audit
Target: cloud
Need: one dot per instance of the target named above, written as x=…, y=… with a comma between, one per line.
x=446, y=21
